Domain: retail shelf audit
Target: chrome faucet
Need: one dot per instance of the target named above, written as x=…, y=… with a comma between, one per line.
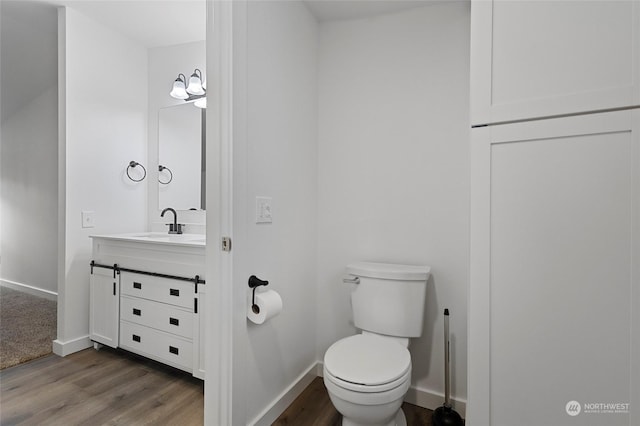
x=175, y=227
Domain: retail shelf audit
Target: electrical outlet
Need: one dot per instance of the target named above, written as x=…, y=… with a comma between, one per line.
x=263, y=210
x=88, y=219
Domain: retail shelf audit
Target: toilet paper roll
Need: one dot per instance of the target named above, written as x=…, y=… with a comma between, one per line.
x=268, y=305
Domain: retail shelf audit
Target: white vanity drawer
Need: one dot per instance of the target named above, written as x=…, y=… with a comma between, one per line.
x=166, y=290
x=155, y=344
x=156, y=315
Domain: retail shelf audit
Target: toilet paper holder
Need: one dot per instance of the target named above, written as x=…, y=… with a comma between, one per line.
x=255, y=282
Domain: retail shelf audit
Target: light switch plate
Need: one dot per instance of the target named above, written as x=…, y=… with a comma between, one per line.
x=263, y=210
x=88, y=219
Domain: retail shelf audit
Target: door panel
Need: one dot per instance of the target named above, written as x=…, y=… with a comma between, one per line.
x=104, y=309
x=532, y=59
x=554, y=261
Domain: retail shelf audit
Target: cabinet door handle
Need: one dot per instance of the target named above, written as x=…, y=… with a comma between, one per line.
x=137, y=312
x=114, y=288
x=174, y=292
x=136, y=338
x=137, y=285
x=173, y=350
x=174, y=321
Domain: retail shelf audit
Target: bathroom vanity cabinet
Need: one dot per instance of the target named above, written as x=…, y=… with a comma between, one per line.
x=146, y=296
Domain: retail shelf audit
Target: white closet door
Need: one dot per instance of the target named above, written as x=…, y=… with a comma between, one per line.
x=555, y=271
x=545, y=58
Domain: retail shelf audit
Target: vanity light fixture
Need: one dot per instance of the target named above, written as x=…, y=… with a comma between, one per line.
x=195, y=83
x=179, y=90
x=194, y=91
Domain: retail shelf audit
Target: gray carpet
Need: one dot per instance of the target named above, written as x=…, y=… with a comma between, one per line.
x=27, y=327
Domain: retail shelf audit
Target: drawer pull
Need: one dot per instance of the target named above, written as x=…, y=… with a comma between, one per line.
x=174, y=292
x=137, y=285
x=174, y=321
x=173, y=350
x=137, y=312
x=136, y=338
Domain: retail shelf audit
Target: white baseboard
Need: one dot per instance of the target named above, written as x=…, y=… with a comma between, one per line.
x=61, y=348
x=423, y=398
x=277, y=407
x=34, y=291
x=432, y=400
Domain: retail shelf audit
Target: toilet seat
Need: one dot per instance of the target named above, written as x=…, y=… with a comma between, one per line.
x=356, y=387
x=362, y=395
x=367, y=363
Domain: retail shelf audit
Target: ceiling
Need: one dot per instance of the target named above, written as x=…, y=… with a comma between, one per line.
x=156, y=23
x=331, y=10
x=32, y=26
x=152, y=23
x=27, y=25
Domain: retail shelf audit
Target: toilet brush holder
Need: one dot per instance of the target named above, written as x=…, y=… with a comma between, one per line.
x=446, y=415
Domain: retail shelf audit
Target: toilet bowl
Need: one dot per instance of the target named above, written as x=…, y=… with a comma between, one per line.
x=367, y=377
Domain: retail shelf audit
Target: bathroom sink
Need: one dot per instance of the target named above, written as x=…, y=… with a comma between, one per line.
x=161, y=237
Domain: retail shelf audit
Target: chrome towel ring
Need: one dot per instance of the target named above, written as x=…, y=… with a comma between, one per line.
x=132, y=165
x=162, y=168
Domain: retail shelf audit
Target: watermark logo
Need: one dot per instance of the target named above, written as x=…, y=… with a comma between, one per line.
x=573, y=408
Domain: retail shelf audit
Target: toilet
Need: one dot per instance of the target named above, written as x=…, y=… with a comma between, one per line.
x=367, y=375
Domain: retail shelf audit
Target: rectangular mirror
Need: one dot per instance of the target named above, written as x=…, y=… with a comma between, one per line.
x=181, y=166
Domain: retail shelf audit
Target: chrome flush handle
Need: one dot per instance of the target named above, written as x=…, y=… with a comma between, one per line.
x=351, y=279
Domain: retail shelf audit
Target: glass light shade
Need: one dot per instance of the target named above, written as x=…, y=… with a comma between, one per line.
x=178, y=90
x=195, y=85
x=201, y=103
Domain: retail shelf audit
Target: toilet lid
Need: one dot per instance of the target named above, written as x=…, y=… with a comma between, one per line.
x=367, y=360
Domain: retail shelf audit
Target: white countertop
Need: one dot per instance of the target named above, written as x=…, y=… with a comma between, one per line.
x=193, y=240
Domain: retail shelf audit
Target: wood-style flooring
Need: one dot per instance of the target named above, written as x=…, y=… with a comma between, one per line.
x=313, y=408
x=110, y=387
x=105, y=387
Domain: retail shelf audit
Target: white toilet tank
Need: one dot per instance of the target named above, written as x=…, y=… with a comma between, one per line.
x=390, y=298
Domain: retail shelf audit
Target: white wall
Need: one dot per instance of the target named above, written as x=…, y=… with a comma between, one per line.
x=393, y=171
x=28, y=182
x=29, y=52
x=165, y=63
x=30, y=195
x=103, y=123
x=275, y=155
